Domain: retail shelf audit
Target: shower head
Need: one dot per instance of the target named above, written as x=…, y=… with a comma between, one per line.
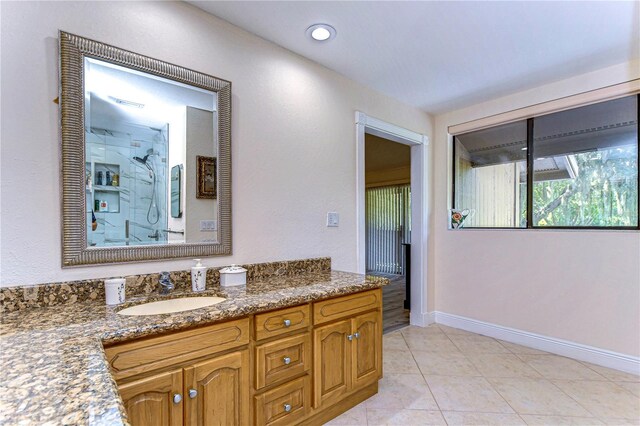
x=142, y=160
x=145, y=160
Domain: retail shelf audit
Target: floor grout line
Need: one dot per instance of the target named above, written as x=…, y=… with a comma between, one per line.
x=425, y=380
x=469, y=356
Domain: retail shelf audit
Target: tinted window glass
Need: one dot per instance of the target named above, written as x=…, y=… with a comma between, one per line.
x=490, y=176
x=586, y=166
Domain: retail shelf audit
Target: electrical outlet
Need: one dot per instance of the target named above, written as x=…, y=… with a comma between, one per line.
x=333, y=219
x=208, y=225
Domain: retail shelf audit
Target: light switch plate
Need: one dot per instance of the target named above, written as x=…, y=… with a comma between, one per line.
x=208, y=225
x=333, y=219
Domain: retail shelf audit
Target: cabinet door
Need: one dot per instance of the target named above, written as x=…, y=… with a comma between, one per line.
x=150, y=401
x=331, y=362
x=221, y=388
x=366, y=349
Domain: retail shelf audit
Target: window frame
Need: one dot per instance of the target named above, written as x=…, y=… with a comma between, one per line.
x=530, y=160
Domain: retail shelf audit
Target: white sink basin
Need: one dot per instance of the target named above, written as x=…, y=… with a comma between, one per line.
x=171, y=306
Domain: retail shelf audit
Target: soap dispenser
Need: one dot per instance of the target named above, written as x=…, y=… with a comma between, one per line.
x=198, y=276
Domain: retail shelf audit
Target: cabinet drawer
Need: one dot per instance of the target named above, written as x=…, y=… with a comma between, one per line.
x=332, y=309
x=129, y=359
x=281, y=321
x=282, y=359
x=285, y=404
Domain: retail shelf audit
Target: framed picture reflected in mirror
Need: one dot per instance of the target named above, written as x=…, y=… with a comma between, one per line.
x=206, y=177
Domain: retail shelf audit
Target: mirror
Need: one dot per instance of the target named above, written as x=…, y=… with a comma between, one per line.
x=176, y=191
x=146, y=157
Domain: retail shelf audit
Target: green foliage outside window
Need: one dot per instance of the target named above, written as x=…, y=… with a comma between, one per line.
x=605, y=192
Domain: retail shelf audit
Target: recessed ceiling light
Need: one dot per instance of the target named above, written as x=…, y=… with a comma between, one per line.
x=321, y=32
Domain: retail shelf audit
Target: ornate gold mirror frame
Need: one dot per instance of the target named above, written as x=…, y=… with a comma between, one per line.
x=73, y=50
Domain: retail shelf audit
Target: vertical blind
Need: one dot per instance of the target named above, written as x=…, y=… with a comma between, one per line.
x=388, y=219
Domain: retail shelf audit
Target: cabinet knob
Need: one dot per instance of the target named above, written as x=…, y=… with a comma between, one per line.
x=287, y=407
x=286, y=360
x=193, y=393
x=177, y=398
x=287, y=323
x=350, y=337
x=356, y=335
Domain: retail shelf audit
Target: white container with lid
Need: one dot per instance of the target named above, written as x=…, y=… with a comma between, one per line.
x=233, y=275
x=114, y=290
x=198, y=276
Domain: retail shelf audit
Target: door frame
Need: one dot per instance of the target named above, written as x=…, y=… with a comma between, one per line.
x=419, y=205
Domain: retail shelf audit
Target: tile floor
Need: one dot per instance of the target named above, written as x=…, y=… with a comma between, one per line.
x=444, y=376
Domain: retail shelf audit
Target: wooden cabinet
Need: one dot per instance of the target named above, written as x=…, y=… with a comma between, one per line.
x=346, y=306
x=211, y=392
x=285, y=404
x=282, y=359
x=332, y=361
x=217, y=391
x=366, y=349
x=205, y=385
x=347, y=356
x=300, y=365
x=282, y=321
x=146, y=355
x=150, y=401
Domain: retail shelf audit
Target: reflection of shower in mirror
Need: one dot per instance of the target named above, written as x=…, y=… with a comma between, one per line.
x=137, y=127
x=136, y=203
x=153, y=213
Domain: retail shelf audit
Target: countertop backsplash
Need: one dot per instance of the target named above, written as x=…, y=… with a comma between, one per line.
x=51, y=294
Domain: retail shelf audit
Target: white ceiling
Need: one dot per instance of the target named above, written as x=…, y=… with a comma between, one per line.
x=440, y=56
x=161, y=98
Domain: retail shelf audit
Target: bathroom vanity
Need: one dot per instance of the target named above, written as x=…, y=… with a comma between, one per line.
x=285, y=350
x=303, y=363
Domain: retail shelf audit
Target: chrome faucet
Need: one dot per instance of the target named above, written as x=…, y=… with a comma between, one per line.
x=166, y=286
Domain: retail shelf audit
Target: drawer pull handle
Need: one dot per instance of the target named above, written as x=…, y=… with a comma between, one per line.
x=356, y=335
x=193, y=393
x=350, y=337
x=177, y=398
x=287, y=323
x=286, y=360
x=287, y=407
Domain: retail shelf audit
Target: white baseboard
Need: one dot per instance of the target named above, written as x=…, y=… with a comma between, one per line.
x=603, y=357
x=422, y=320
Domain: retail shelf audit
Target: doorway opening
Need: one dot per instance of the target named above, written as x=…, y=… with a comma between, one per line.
x=415, y=284
x=388, y=224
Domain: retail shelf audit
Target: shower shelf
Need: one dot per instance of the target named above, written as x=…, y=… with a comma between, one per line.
x=108, y=193
x=105, y=188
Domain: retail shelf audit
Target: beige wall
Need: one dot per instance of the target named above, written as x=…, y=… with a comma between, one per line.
x=581, y=286
x=199, y=133
x=293, y=147
x=177, y=156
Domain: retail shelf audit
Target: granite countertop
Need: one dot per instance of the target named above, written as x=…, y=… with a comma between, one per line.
x=52, y=364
